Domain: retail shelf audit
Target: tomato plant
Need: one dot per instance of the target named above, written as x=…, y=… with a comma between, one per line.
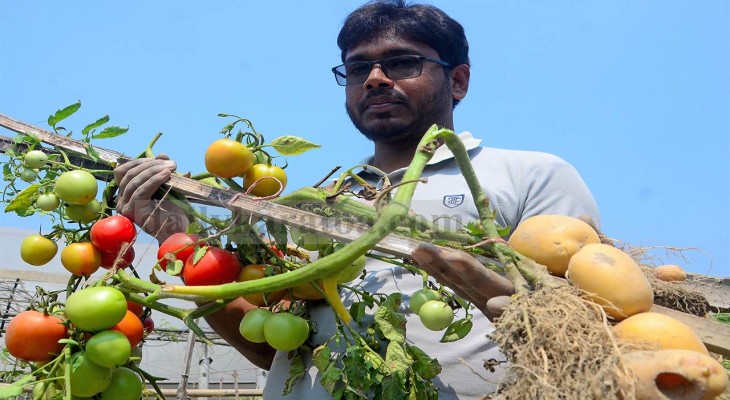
x=257, y=271
x=35, y=159
x=436, y=315
x=47, y=202
x=227, y=158
x=37, y=250
x=285, y=331
x=110, y=233
x=96, y=308
x=178, y=246
x=252, y=325
x=264, y=187
x=108, y=348
x=351, y=271
x=308, y=291
x=419, y=297
x=81, y=258
x=125, y=385
x=108, y=258
x=33, y=336
x=76, y=187
x=217, y=266
x=88, y=378
x=83, y=213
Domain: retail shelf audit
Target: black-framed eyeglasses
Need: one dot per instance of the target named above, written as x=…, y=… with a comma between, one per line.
x=397, y=67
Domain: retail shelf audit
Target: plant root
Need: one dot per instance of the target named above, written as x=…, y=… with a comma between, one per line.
x=560, y=346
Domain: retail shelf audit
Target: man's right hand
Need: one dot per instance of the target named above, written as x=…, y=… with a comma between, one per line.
x=138, y=181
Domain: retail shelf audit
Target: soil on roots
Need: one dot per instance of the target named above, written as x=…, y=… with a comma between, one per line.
x=560, y=346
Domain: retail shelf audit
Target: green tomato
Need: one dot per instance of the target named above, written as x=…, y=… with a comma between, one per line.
x=76, y=187
x=352, y=271
x=286, y=332
x=419, y=297
x=44, y=393
x=48, y=202
x=85, y=213
x=125, y=385
x=309, y=240
x=436, y=315
x=28, y=175
x=108, y=348
x=252, y=325
x=35, y=159
x=37, y=250
x=87, y=378
x=96, y=308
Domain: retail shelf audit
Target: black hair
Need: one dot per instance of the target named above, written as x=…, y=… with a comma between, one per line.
x=417, y=22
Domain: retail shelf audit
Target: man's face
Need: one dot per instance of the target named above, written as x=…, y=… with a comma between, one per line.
x=389, y=111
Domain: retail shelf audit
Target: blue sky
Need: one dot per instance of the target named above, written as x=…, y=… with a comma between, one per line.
x=636, y=95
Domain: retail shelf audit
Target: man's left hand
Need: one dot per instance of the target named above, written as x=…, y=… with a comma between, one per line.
x=467, y=277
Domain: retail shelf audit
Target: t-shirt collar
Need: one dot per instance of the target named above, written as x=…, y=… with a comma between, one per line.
x=443, y=153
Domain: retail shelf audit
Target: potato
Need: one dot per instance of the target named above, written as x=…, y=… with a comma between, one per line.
x=670, y=273
x=661, y=329
x=552, y=239
x=612, y=279
x=676, y=374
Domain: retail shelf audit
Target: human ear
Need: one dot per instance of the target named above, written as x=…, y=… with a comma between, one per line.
x=459, y=81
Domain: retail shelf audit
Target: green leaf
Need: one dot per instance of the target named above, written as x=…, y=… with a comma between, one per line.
x=199, y=253
x=174, y=268
x=396, y=358
x=24, y=199
x=330, y=377
x=321, y=357
x=355, y=370
x=91, y=152
x=296, y=372
x=7, y=172
x=63, y=113
x=195, y=227
x=357, y=311
x=16, y=389
x=457, y=330
x=394, y=386
x=110, y=132
x=423, y=365
x=292, y=145
x=99, y=122
x=391, y=323
x=278, y=233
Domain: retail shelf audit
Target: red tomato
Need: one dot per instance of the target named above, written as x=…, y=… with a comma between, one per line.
x=108, y=234
x=149, y=325
x=131, y=326
x=82, y=258
x=136, y=308
x=180, y=244
x=108, y=258
x=33, y=336
x=216, y=267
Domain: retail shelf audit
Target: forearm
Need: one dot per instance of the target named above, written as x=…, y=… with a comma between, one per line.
x=225, y=323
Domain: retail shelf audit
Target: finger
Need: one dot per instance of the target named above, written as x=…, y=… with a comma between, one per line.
x=162, y=156
x=139, y=188
x=122, y=170
x=497, y=305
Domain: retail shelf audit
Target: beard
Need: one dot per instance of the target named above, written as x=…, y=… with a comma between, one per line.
x=428, y=111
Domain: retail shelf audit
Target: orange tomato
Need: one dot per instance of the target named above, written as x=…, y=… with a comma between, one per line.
x=226, y=158
x=131, y=326
x=81, y=258
x=258, y=271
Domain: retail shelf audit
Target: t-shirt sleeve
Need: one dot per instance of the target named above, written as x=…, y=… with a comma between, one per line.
x=553, y=186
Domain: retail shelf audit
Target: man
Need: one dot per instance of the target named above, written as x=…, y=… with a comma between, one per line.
x=404, y=68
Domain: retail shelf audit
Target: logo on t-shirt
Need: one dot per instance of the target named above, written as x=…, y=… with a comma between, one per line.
x=453, y=200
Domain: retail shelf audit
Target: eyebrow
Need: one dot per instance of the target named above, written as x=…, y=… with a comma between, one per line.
x=388, y=53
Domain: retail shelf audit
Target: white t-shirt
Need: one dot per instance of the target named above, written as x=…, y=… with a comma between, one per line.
x=519, y=184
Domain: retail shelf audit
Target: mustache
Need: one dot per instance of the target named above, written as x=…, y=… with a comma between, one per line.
x=384, y=92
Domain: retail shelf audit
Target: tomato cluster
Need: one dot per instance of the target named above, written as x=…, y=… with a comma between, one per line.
x=434, y=313
x=103, y=332
x=282, y=330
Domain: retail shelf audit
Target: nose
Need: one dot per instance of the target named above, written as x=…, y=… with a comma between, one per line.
x=377, y=78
